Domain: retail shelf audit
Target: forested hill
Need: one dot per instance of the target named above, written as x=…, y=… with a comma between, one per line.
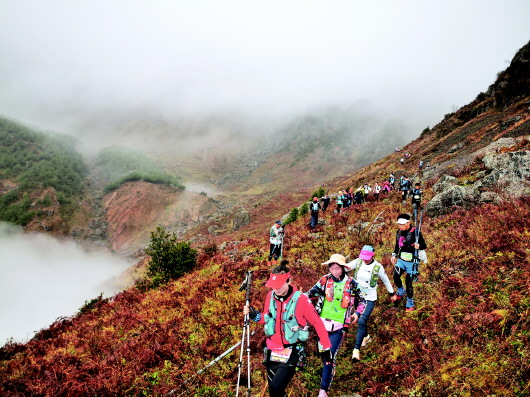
x=41, y=177
x=469, y=334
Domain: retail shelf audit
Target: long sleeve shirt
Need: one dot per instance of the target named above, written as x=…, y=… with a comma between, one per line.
x=304, y=312
x=364, y=275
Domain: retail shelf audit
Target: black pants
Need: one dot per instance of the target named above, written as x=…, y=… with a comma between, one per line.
x=275, y=251
x=280, y=374
x=408, y=281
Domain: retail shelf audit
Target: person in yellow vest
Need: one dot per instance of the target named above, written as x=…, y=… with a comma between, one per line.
x=286, y=316
x=338, y=297
x=366, y=271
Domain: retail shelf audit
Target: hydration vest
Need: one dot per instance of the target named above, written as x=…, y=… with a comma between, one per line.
x=292, y=331
x=375, y=272
x=314, y=207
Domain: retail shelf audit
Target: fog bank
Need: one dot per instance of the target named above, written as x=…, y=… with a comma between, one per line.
x=43, y=278
x=66, y=64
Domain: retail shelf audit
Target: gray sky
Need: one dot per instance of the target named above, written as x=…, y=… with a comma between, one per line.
x=62, y=59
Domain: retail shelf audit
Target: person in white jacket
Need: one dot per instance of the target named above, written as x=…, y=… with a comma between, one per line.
x=366, y=271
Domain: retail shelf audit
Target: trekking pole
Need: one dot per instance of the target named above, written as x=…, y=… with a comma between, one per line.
x=417, y=228
x=246, y=334
x=214, y=361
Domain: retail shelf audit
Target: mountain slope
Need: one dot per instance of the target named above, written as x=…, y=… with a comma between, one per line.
x=469, y=335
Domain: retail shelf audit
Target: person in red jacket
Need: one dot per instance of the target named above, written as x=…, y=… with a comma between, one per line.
x=286, y=334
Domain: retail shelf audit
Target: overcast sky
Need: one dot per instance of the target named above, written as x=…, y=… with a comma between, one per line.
x=266, y=58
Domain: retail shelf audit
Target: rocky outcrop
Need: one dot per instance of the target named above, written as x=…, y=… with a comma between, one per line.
x=241, y=218
x=506, y=176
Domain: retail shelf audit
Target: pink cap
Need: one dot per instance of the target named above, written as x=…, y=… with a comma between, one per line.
x=276, y=281
x=366, y=255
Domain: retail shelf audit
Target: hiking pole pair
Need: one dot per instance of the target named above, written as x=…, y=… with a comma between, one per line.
x=214, y=361
x=417, y=228
x=246, y=334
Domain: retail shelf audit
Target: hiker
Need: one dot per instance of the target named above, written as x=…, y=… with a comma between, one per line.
x=338, y=296
x=402, y=160
x=276, y=240
x=405, y=186
x=403, y=258
x=391, y=180
x=377, y=191
x=420, y=165
x=325, y=202
x=366, y=272
x=314, y=207
x=340, y=200
x=415, y=195
x=286, y=314
x=358, y=197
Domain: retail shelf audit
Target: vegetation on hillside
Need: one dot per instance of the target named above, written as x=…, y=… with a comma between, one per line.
x=469, y=334
x=170, y=258
x=117, y=165
x=35, y=161
x=472, y=318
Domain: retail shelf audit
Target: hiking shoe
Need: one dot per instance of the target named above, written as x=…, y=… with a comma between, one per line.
x=410, y=309
x=366, y=340
x=323, y=393
x=356, y=355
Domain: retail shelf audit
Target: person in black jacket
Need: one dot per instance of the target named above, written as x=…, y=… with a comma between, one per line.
x=403, y=257
x=325, y=202
x=314, y=207
x=415, y=195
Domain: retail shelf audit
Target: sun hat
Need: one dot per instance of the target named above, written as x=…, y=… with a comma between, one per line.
x=367, y=252
x=338, y=259
x=276, y=281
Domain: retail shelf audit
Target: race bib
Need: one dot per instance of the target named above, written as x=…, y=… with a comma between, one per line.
x=416, y=197
x=281, y=356
x=406, y=256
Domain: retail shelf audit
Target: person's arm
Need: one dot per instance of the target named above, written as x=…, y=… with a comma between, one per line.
x=309, y=313
x=317, y=289
x=254, y=314
x=386, y=281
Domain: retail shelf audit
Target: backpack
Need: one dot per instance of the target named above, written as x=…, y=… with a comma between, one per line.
x=375, y=272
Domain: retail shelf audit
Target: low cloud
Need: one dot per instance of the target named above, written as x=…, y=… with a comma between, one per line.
x=44, y=278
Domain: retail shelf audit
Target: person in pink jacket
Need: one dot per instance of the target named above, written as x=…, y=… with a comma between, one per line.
x=286, y=316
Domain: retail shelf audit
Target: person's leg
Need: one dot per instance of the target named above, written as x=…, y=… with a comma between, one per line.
x=279, y=377
x=271, y=251
x=398, y=271
x=362, y=323
x=329, y=370
x=410, y=291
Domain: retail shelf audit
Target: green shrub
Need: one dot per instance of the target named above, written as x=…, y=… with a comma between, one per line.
x=303, y=209
x=292, y=217
x=170, y=258
x=320, y=192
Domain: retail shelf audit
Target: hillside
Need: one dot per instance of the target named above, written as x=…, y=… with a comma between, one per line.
x=469, y=335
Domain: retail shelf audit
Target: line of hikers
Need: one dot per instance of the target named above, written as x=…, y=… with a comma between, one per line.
x=348, y=197
x=345, y=296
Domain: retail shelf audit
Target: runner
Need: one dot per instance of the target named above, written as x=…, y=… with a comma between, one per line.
x=403, y=258
x=337, y=298
x=286, y=314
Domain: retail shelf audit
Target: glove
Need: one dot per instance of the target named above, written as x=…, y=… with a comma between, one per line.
x=326, y=357
x=253, y=314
